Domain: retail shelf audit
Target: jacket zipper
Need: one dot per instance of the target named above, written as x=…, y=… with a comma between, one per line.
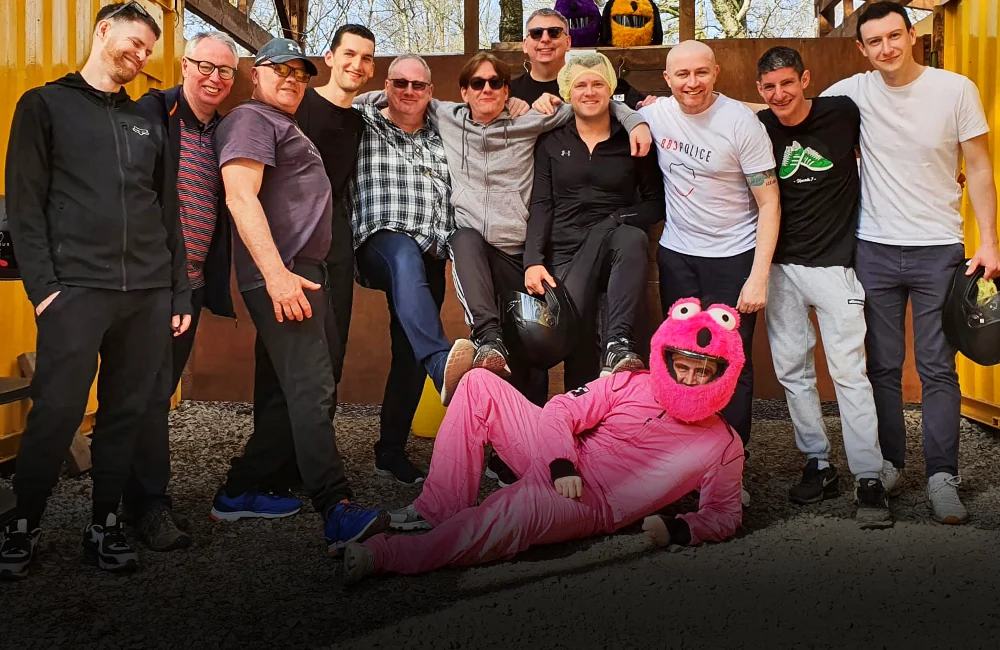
x=121, y=175
x=486, y=183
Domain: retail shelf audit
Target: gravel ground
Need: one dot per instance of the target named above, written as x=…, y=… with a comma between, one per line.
x=793, y=577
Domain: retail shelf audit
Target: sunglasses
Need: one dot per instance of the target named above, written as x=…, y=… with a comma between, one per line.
x=283, y=70
x=138, y=7
x=536, y=32
x=207, y=68
x=418, y=86
x=478, y=83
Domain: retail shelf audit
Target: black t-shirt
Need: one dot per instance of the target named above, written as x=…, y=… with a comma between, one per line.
x=818, y=179
x=527, y=89
x=336, y=132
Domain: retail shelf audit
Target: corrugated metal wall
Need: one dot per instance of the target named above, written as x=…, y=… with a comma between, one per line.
x=41, y=40
x=971, y=49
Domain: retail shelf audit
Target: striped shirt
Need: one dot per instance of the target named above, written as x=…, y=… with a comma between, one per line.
x=198, y=185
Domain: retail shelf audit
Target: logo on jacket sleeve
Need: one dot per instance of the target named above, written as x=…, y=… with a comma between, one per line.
x=142, y=132
x=579, y=392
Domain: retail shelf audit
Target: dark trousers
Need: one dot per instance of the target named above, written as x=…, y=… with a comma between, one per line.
x=715, y=280
x=482, y=273
x=294, y=397
x=414, y=288
x=891, y=275
x=146, y=488
x=340, y=268
x=130, y=332
x=611, y=262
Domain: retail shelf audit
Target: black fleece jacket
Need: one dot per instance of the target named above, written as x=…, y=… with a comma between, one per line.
x=576, y=190
x=92, y=194
x=168, y=107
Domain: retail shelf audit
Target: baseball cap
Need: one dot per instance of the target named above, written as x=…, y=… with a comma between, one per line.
x=283, y=50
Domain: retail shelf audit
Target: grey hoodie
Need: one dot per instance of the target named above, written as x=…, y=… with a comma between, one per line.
x=492, y=165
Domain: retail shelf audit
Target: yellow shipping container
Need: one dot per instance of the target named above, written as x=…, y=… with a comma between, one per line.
x=971, y=28
x=42, y=40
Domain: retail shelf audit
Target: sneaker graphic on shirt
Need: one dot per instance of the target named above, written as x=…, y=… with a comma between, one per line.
x=796, y=155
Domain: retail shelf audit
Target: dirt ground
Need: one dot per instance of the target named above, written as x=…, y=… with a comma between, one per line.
x=793, y=577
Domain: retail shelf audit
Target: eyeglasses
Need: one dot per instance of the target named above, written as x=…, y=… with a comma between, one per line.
x=536, y=32
x=138, y=7
x=207, y=68
x=283, y=70
x=418, y=86
x=478, y=83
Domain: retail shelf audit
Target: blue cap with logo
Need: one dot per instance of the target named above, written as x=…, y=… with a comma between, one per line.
x=283, y=50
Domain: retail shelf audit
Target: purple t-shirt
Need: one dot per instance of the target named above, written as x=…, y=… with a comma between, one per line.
x=295, y=192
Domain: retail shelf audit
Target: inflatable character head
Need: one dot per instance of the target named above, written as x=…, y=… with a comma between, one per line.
x=584, y=18
x=695, y=359
x=630, y=23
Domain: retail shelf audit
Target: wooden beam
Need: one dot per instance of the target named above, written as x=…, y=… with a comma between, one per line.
x=848, y=8
x=850, y=25
x=686, y=29
x=222, y=15
x=471, y=26
x=827, y=21
x=822, y=5
x=281, y=7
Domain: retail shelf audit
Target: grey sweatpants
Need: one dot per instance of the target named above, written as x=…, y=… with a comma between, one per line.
x=836, y=295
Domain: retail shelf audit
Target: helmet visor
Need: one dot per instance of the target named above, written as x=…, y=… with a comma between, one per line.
x=531, y=309
x=693, y=368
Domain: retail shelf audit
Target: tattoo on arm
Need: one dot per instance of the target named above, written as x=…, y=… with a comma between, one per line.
x=762, y=179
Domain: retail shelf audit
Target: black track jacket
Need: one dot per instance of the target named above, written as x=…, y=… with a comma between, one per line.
x=92, y=194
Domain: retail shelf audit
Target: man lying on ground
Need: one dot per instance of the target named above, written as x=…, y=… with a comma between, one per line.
x=639, y=440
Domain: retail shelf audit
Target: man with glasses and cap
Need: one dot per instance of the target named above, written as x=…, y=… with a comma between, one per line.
x=281, y=202
x=92, y=202
x=189, y=114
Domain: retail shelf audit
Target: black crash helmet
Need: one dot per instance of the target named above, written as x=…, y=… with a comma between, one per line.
x=538, y=329
x=971, y=326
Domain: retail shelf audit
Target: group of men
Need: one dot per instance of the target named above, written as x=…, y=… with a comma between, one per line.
x=325, y=187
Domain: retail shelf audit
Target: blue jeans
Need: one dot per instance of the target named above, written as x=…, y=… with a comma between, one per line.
x=414, y=287
x=890, y=275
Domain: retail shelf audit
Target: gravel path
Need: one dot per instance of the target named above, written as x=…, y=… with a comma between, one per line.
x=793, y=577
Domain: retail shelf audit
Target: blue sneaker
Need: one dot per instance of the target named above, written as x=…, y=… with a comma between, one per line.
x=350, y=523
x=262, y=505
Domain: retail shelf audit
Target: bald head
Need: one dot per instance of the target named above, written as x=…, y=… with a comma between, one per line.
x=688, y=52
x=691, y=73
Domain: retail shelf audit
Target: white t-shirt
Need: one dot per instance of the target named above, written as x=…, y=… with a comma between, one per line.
x=705, y=159
x=910, y=154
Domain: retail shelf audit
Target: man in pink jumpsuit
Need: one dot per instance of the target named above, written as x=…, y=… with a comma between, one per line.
x=592, y=461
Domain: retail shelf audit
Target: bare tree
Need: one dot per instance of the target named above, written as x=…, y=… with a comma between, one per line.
x=732, y=17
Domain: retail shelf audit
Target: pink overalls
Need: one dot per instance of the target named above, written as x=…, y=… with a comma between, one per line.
x=634, y=460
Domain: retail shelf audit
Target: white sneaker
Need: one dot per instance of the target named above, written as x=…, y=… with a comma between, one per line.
x=408, y=519
x=946, y=507
x=892, y=479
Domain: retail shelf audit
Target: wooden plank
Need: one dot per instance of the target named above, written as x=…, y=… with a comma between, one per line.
x=471, y=26
x=822, y=5
x=26, y=364
x=848, y=7
x=222, y=15
x=937, y=38
x=282, y=9
x=686, y=29
x=78, y=460
x=850, y=25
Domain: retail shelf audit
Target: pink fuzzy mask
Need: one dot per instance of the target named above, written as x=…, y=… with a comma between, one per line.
x=713, y=332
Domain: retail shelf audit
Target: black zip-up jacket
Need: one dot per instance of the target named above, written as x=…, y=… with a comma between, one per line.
x=168, y=106
x=91, y=199
x=575, y=190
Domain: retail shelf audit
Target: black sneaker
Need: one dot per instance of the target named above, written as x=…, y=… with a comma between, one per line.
x=497, y=470
x=18, y=549
x=398, y=468
x=621, y=358
x=873, y=504
x=158, y=530
x=817, y=484
x=493, y=356
x=107, y=547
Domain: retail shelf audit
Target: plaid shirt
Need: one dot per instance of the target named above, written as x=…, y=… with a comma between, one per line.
x=401, y=184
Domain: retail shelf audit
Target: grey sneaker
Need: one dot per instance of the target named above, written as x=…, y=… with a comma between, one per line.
x=459, y=362
x=873, y=505
x=107, y=547
x=359, y=563
x=408, y=519
x=946, y=507
x=892, y=479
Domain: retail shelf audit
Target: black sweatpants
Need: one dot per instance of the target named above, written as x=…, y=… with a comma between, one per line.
x=294, y=397
x=130, y=330
x=610, y=261
x=715, y=280
x=146, y=488
x=340, y=268
x=481, y=274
